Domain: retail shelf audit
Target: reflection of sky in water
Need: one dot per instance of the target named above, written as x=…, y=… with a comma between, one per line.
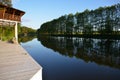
x=67, y=66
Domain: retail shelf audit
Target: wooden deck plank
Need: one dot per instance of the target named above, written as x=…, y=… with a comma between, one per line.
x=16, y=63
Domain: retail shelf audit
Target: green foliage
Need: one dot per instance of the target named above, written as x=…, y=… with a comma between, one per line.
x=104, y=21
x=25, y=31
x=6, y=2
x=7, y=33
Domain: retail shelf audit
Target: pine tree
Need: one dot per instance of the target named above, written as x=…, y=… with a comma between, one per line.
x=6, y=2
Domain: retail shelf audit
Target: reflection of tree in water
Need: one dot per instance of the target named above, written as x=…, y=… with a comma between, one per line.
x=101, y=51
x=26, y=38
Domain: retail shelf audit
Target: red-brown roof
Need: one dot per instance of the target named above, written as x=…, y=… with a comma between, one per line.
x=10, y=13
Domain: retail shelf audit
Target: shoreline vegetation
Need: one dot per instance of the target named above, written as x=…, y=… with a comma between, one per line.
x=97, y=36
x=7, y=33
x=103, y=22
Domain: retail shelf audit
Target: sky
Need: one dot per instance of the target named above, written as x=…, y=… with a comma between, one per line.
x=38, y=12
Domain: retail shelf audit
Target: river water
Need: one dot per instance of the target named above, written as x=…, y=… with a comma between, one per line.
x=74, y=58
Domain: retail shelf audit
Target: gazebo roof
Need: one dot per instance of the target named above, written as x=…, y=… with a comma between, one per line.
x=10, y=13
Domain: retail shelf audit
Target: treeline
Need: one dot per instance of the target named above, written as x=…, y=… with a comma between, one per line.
x=102, y=21
x=26, y=31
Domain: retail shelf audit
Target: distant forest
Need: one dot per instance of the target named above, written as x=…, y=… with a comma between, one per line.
x=7, y=33
x=26, y=31
x=101, y=21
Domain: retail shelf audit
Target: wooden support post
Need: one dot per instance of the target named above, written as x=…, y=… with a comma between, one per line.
x=0, y=31
x=16, y=31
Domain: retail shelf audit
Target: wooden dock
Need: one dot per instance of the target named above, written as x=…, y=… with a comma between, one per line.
x=17, y=64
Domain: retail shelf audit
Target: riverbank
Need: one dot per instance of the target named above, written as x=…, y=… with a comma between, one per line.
x=17, y=64
x=98, y=36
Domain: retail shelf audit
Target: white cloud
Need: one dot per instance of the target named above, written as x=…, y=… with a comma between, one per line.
x=26, y=20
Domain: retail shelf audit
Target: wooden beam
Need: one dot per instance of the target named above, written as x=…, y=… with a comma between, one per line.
x=9, y=20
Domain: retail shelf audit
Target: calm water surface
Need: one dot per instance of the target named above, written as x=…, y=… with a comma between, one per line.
x=65, y=58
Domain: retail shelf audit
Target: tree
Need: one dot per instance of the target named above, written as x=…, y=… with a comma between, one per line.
x=6, y=2
x=69, y=24
x=103, y=20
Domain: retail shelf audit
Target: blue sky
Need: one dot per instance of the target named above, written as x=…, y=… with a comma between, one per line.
x=40, y=11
